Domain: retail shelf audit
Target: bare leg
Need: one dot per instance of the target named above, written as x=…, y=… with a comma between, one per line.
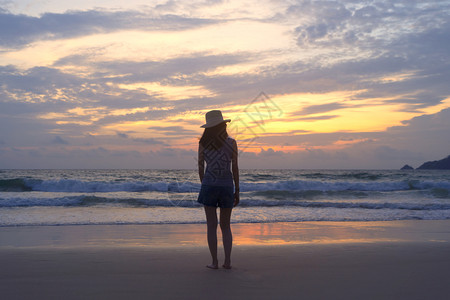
x=211, y=222
x=227, y=237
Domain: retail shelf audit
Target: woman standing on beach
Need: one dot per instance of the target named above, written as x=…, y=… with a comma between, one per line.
x=220, y=153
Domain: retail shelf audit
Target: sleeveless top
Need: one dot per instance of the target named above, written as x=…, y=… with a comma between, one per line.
x=218, y=165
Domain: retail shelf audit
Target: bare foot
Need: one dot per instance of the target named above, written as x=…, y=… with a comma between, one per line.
x=213, y=266
x=226, y=267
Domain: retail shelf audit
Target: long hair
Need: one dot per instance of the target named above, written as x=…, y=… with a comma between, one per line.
x=214, y=137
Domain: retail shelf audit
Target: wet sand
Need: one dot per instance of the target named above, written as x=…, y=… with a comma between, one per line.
x=308, y=260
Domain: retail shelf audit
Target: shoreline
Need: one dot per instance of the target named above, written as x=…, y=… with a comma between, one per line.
x=245, y=234
x=305, y=260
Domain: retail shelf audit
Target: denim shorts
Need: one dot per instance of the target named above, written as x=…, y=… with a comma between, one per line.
x=216, y=196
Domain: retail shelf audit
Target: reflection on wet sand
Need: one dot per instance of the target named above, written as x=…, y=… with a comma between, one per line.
x=310, y=233
x=252, y=234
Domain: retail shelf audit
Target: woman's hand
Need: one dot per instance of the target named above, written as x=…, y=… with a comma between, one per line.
x=236, y=199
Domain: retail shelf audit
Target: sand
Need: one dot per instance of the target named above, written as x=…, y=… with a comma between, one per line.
x=310, y=260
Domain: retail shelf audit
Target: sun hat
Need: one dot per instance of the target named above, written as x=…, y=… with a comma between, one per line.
x=213, y=118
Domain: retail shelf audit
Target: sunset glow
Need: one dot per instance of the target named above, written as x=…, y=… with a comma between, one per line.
x=308, y=81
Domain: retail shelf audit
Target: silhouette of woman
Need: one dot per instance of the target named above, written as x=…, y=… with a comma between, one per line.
x=221, y=156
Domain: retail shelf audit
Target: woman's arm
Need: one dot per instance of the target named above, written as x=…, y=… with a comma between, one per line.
x=235, y=171
x=201, y=162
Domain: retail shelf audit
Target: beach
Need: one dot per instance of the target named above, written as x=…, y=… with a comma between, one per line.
x=298, y=260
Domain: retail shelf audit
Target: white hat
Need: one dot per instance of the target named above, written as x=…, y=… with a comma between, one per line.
x=213, y=118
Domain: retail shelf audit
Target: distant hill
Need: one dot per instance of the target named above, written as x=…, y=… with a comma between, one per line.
x=407, y=167
x=443, y=164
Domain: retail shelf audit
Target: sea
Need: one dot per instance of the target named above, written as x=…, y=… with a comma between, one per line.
x=91, y=197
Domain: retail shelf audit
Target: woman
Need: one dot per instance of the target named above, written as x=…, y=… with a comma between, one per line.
x=220, y=153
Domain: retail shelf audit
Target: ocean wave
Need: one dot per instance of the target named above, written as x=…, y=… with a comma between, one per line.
x=14, y=185
x=79, y=186
x=89, y=200
x=346, y=175
x=346, y=205
x=381, y=186
x=94, y=216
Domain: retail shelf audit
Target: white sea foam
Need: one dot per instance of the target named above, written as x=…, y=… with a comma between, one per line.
x=78, y=186
x=179, y=215
x=58, y=197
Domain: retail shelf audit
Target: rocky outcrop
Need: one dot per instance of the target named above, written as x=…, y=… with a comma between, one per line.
x=407, y=167
x=443, y=164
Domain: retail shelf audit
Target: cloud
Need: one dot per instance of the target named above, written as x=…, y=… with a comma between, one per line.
x=19, y=30
x=149, y=141
x=176, y=153
x=39, y=84
x=321, y=108
x=167, y=70
x=97, y=157
x=317, y=118
x=419, y=139
x=427, y=135
x=365, y=25
x=269, y=152
x=328, y=19
x=122, y=135
x=384, y=53
x=399, y=74
x=301, y=76
x=173, y=130
x=387, y=153
x=59, y=141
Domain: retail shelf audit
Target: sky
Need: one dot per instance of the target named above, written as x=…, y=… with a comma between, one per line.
x=307, y=84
